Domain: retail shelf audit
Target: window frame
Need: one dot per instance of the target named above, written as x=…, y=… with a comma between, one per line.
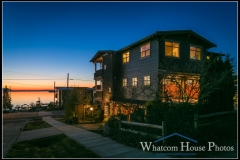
x=134, y=81
x=125, y=59
x=124, y=83
x=147, y=82
x=196, y=47
x=172, y=46
x=143, y=52
x=101, y=87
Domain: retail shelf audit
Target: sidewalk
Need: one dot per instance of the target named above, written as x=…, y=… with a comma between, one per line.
x=103, y=146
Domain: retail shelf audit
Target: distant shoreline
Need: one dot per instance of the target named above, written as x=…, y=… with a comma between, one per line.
x=31, y=90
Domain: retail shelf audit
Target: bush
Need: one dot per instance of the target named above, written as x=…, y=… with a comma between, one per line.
x=99, y=115
x=138, y=115
x=111, y=127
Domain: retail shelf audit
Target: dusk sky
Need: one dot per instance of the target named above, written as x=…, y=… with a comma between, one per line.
x=46, y=40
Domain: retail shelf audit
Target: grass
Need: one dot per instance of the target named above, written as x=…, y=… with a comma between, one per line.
x=36, y=123
x=58, y=146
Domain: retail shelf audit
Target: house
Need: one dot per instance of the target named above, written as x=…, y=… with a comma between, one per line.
x=165, y=63
x=85, y=98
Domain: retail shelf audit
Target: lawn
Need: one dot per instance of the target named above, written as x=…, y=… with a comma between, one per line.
x=36, y=123
x=59, y=146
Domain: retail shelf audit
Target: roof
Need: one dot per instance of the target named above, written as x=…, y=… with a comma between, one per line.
x=100, y=53
x=215, y=53
x=164, y=33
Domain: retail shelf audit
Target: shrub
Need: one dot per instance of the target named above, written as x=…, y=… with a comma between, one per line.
x=99, y=115
x=111, y=127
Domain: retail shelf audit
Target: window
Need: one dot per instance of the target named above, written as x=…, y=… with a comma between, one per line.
x=172, y=49
x=105, y=66
x=146, y=80
x=109, y=89
x=124, y=82
x=195, y=53
x=99, y=84
x=134, y=81
x=145, y=50
x=125, y=57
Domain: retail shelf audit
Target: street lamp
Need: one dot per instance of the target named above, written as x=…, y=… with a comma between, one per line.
x=91, y=111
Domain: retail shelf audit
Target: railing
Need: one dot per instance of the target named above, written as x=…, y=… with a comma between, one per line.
x=163, y=128
x=198, y=117
x=98, y=73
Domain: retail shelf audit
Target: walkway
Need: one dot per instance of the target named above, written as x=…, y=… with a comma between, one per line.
x=103, y=146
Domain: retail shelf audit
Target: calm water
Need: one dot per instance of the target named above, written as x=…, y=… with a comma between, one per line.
x=20, y=98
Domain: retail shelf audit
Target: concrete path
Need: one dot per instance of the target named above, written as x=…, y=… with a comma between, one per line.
x=103, y=146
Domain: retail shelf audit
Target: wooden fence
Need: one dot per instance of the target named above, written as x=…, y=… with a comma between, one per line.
x=198, y=117
x=162, y=128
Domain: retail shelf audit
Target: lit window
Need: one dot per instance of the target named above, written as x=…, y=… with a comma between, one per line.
x=110, y=90
x=125, y=57
x=124, y=82
x=189, y=81
x=145, y=50
x=172, y=49
x=134, y=81
x=146, y=80
x=195, y=53
x=99, y=84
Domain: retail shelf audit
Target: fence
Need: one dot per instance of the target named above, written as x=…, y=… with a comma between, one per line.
x=198, y=117
x=163, y=128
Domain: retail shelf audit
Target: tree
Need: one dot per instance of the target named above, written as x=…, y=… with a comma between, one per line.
x=217, y=85
x=72, y=100
x=6, y=99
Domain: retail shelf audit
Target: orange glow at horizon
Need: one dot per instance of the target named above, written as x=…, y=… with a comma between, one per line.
x=46, y=87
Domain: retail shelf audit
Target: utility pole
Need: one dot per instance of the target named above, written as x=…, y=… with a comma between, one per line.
x=54, y=95
x=67, y=81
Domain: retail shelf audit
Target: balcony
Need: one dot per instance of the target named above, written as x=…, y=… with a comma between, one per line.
x=98, y=73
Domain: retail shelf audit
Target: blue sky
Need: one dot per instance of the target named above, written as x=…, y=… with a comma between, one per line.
x=47, y=40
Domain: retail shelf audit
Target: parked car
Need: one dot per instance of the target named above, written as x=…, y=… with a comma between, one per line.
x=38, y=109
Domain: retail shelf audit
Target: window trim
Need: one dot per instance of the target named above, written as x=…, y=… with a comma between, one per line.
x=147, y=80
x=123, y=58
x=134, y=83
x=101, y=81
x=172, y=41
x=196, y=46
x=145, y=56
x=124, y=82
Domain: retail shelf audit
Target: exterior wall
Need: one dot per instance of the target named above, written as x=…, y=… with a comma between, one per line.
x=139, y=67
x=181, y=63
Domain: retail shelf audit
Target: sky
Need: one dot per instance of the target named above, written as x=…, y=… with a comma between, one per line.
x=43, y=42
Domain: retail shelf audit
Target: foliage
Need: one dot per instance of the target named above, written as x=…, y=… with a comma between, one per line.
x=72, y=101
x=58, y=146
x=36, y=123
x=217, y=85
x=99, y=115
x=138, y=115
x=6, y=99
x=156, y=110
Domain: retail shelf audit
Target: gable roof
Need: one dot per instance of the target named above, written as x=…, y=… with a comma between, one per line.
x=162, y=34
x=100, y=53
